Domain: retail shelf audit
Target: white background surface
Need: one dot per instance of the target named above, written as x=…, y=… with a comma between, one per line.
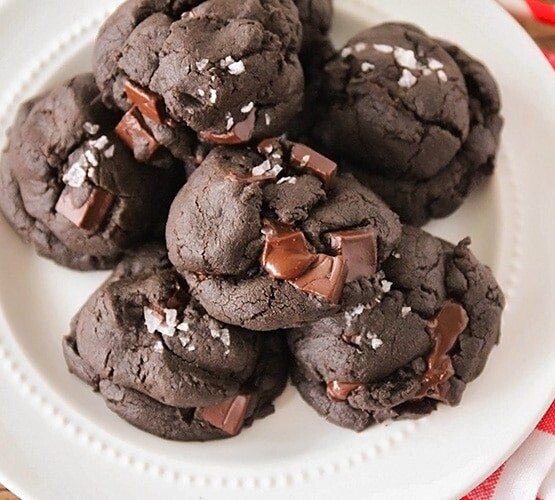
x=59, y=441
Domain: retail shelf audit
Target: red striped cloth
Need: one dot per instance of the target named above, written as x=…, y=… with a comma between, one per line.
x=530, y=473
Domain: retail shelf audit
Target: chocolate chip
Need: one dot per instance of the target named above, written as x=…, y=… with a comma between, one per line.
x=88, y=215
x=326, y=278
x=149, y=104
x=133, y=130
x=305, y=157
x=229, y=415
x=340, y=391
x=444, y=330
x=240, y=133
x=360, y=249
x=286, y=254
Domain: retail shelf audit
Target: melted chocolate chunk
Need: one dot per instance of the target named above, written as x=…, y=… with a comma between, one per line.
x=305, y=157
x=240, y=133
x=286, y=254
x=360, y=249
x=326, y=278
x=133, y=130
x=148, y=103
x=340, y=391
x=229, y=415
x=444, y=330
x=89, y=215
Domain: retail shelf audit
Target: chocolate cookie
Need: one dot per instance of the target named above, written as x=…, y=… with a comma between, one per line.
x=69, y=186
x=397, y=356
x=316, y=19
x=275, y=239
x=417, y=201
x=229, y=70
x=401, y=102
x=161, y=363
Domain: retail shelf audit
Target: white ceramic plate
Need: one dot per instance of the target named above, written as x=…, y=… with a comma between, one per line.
x=59, y=441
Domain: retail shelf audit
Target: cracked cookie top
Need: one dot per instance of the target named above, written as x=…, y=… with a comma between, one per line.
x=70, y=186
x=141, y=334
x=279, y=217
x=428, y=336
x=229, y=70
x=396, y=101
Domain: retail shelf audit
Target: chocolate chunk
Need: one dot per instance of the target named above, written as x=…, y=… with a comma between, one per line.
x=340, y=391
x=133, y=130
x=319, y=165
x=229, y=415
x=360, y=249
x=89, y=215
x=286, y=255
x=444, y=330
x=240, y=133
x=326, y=278
x=148, y=103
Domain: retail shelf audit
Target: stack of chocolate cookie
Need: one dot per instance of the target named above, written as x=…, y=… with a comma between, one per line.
x=242, y=254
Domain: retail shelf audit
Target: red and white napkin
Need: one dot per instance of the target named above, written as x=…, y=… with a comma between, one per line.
x=530, y=473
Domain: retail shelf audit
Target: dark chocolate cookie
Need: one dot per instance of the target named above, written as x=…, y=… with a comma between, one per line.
x=417, y=201
x=422, y=342
x=395, y=102
x=274, y=239
x=316, y=19
x=160, y=362
x=69, y=186
x=229, y=69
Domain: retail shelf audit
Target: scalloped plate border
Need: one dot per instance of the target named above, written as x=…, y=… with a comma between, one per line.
x=23, y=376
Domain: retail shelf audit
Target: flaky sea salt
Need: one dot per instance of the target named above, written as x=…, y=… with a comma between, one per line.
x=354, y=313
x=426, y=71
x=153, y=319
x=109, y=153
x=75, y=176
x=268, y=119
x=158, y=346
x=276, y=170
x=288, y=180
x=91, y=128
x=213, y=96
x=201, y=92
x=183, y=327
x=407, y=80
x=229, y=122
x=91, y=158
x=405, y=310
x=386, y=286
x=202, y=64
x=346, y=52
x=396, y=255
x=261, y=169
x=366, y=66
x=247, y=108
x=100, y=143
x=360, y=47
x=406, y=58
x=236, y=68
x=434, y=64
x=384, y=49
x=442, y=76
x=376, y=343
x=185, y=340
x=171, y=317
